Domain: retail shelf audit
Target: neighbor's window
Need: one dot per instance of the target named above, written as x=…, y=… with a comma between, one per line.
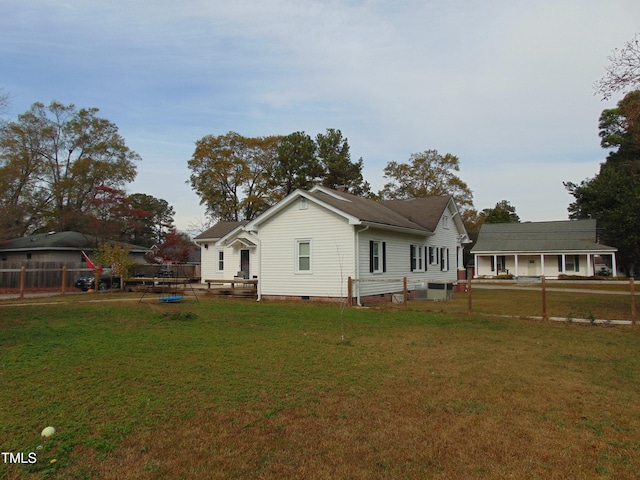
x=445, y=222
x=571, y=263
x=303, y=256
x=220, y=261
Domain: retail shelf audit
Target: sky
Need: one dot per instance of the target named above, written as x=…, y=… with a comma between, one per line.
x=504, y=85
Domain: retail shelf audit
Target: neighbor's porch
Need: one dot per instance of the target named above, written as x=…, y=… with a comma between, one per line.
x=551, y=265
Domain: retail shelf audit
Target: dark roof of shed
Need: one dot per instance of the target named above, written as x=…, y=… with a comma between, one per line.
x=219, y=230
x=533, y=237
x=58, y=241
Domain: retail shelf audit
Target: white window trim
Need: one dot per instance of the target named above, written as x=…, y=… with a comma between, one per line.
x=297, y=256
x=218, y=260
x=378, y=243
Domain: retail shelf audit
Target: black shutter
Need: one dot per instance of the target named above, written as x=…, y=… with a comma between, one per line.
x=577, y=263
x=370, y=256
x=560, y=263
x=426, y=258
x=412, y=263
x=384, y=256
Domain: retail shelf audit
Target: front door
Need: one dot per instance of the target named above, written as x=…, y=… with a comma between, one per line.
x=533, y=270
x=244, y=262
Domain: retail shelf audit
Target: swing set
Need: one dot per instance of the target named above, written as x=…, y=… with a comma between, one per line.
x=169, y=292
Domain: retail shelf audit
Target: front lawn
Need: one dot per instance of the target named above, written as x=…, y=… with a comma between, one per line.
x=241, y=389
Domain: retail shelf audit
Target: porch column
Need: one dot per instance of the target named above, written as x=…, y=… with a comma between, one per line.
x=614, y=267
x=563, y=263
x=542, y=264
x=475, y=265
x=589, y=265
x=516, y=264
x=495, y=264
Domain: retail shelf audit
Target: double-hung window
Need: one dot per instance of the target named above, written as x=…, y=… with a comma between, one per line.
x=220, y=260
x=417, y=254
x=377, y=256
x=444, y=259
x=303, y=256
x=572, y=263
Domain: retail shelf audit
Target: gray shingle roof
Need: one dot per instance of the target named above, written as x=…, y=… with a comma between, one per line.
x=425, y=211
x=535, y=237
x=367, y=210
x=219, y=230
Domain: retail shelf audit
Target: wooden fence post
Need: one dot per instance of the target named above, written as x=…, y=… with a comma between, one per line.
x=97, y=273
x=469, y=298
x=544, y=300
x=404, y=292
x=632, y=287
x=349, y=291
x=23, y=279
x=64, y=280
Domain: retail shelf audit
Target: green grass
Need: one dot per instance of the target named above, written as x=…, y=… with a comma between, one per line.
x=239, y=389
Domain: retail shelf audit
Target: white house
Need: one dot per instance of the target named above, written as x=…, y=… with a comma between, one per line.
x=533, y=249
x=308, y=244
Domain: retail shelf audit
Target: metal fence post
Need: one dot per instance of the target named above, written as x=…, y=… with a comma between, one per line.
x=544, y=300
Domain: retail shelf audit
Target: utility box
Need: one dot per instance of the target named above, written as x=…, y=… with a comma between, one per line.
x=440, y=291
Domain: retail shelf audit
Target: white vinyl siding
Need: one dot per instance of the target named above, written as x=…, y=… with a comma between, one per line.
x=331, y=252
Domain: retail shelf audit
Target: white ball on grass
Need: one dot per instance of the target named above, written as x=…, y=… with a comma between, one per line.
x=47, y=432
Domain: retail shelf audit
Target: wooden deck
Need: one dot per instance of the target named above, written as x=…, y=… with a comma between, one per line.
x=238, y=287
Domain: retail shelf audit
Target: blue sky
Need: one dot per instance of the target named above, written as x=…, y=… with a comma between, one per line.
x=507, y=86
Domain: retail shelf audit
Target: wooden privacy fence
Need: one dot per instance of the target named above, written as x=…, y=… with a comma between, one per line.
x=35, y=275
x=63, y=275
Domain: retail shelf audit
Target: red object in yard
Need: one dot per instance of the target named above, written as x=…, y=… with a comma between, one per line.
x=90, y=264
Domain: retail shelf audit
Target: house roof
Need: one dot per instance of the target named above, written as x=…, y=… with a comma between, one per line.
x=219, y=230
x=418, y=216
x=58, y=241
x=535, y=237
x=425, y=211
x=367, y=210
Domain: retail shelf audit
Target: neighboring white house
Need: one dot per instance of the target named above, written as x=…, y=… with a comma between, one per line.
x=309, y=243
x=533, y=249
